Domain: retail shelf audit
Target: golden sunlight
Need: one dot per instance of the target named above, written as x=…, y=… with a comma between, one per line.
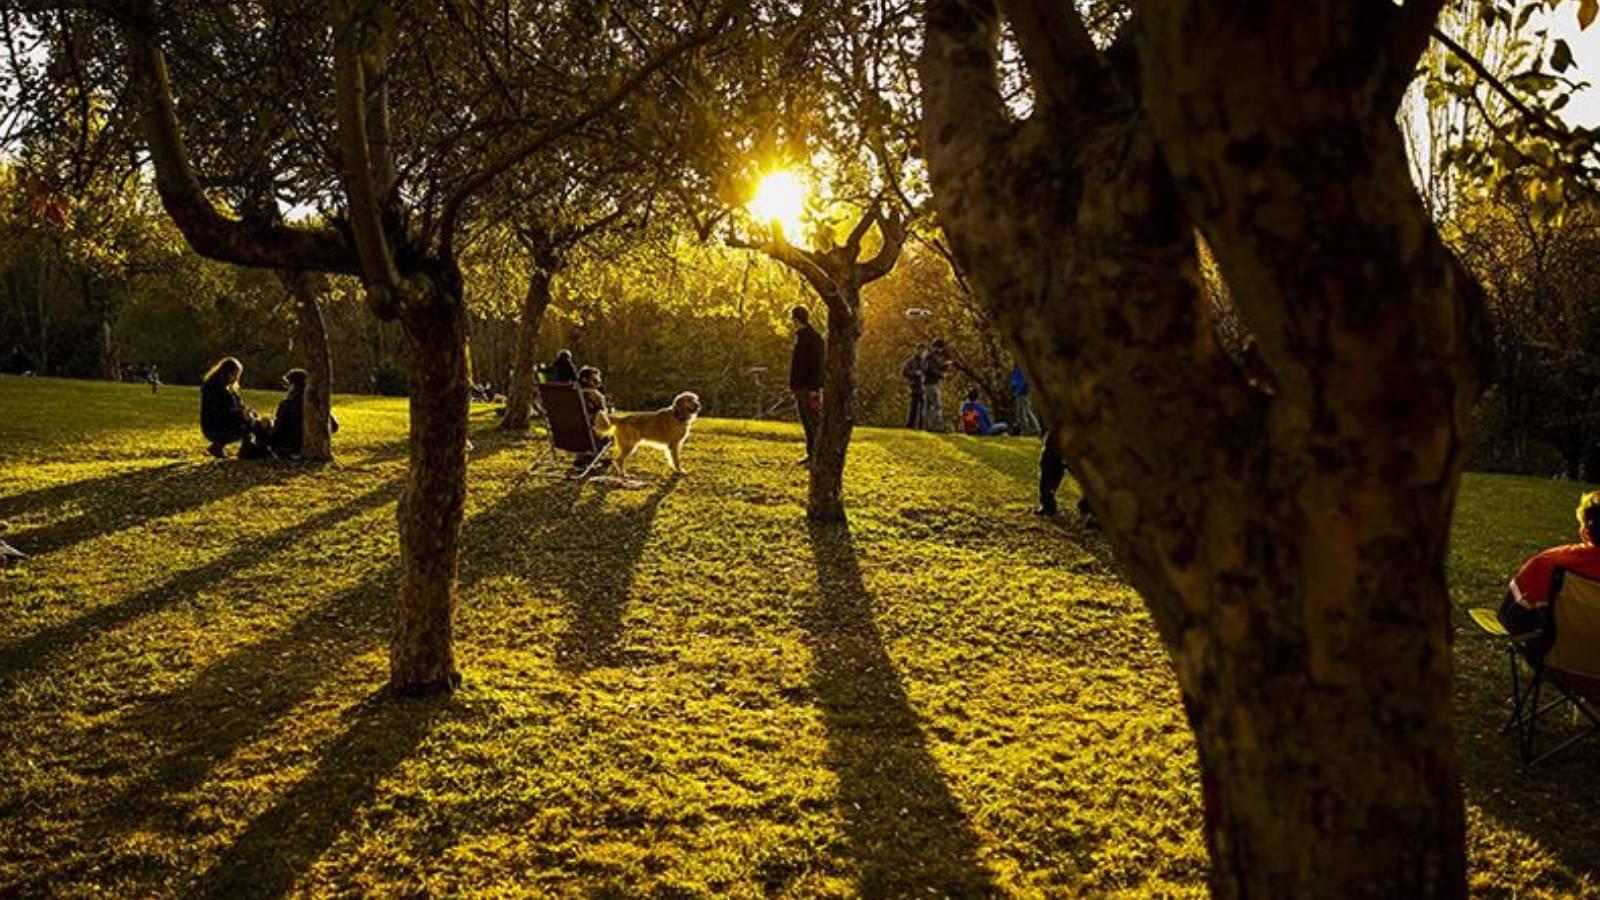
x=779, y=201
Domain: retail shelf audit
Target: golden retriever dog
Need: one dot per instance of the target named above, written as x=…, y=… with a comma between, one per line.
x=665, y=428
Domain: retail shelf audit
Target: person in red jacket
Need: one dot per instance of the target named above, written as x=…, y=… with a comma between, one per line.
x=1527, y=602
x=806, y=366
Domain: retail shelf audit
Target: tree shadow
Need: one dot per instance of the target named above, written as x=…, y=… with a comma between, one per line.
x=906, y=829
x=238, y=697
x=279, y=845
x=590, y=552
x=55, y=495
x=107, y=505
x=33, y=651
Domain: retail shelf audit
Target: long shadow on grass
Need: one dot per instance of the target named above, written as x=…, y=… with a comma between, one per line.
x=239, y=697
x=589, y=552
x=55, y=495
x=1554, y=803
x=148, y=494
x=279, y=845
x=907, y=832
x=34, y=651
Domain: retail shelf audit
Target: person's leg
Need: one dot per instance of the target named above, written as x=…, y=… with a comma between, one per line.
x=935, y=409
x=999, y=428
x=808, y=420
x=1052, y=469
x=914, y=417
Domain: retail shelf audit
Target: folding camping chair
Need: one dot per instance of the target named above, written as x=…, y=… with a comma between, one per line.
x=1520, y=651
x=1572, y=664
x=570, y=431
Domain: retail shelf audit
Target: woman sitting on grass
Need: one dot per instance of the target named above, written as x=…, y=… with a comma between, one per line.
x=288, y=427
x=224, y=418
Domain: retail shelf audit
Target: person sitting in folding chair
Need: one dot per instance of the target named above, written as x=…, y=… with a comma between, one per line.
x=594, y=403
x=1552, y=616
x=1527, y=604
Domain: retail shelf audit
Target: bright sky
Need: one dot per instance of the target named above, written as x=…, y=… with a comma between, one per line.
x=1585, y=106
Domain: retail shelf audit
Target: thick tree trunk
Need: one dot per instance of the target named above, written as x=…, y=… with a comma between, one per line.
x=1288, y=537
x=520, y=393
x=826, y=499
x=421, y=650
x=317, y=443
x=110, y=358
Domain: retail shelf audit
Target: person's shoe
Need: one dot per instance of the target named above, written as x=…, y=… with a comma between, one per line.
x=804, y=462
x=1045, y=510
x=216, y=450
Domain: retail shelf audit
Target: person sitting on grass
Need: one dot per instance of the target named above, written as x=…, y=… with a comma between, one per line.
x=1527, y=604
x=975, y=418
x=224, y=418
x=288, y=428
x=594, y=404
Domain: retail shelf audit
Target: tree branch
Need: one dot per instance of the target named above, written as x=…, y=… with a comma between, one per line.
x=1068, y=71
x=378, y=270
x=502, y=164
x=963, y=113
x=211, y=233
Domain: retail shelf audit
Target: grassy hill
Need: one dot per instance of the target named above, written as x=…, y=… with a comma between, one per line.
x=681, y=690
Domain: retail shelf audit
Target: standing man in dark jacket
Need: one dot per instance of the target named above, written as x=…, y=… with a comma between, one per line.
x=912, y=372
x=934, y=364
x=806, y=376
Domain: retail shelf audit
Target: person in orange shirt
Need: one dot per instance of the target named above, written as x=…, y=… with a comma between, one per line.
x=1527, y=604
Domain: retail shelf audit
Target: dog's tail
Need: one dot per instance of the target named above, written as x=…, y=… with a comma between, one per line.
x=603, y=425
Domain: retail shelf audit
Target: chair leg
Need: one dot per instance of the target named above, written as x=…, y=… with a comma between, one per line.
x=1515, y=719
x=1530, y=722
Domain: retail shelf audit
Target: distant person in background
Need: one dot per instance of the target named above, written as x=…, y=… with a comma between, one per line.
x=1022, y=403
x=934, y=364
x=288, y=436
x=975, y=418
x=152, y=377
x=562, y=371
x=912, y=373
x=1052, y=471
x=224, y=419
x=20, y=362
x=806, y=366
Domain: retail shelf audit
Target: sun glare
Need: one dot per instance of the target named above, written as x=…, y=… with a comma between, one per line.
x=779, y=201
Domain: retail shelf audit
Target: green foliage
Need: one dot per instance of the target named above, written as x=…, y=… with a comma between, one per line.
x=679, y=690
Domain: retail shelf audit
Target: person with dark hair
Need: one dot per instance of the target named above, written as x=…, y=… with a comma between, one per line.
x=224, y=419
x=934, y=364
x=975, y=418
x=1527, y=604
x=911, y=371
x=1052, y=471
x=806, y=375
x=590, y=381
x=287, y=439
x=563, y=371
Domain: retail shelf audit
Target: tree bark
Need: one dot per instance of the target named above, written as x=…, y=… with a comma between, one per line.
x=1288, y=538
x=421, y=650
x=825, y=501
x=317, y=443
x=520, y=393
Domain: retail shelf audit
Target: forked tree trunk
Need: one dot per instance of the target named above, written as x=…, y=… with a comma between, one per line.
x=1288, y=538
x=825, y=501
x=421, y=650
x=520, y=393
x=317, y=437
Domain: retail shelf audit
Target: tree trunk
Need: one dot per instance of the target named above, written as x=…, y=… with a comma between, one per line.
x=317, y=443
x=520, y=393
x=1288, y=535
x=421, y=650
x=110, y=359
x=826, y=499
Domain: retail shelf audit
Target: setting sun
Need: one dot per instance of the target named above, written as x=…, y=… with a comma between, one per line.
x=779, y=201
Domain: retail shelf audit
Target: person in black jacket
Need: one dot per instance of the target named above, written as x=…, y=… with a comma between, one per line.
x=288, y=426
x=912, y=372
x=934, y=364
x=1052, y=471
x=563, y=370
x=224, y=418
x=806, y=376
